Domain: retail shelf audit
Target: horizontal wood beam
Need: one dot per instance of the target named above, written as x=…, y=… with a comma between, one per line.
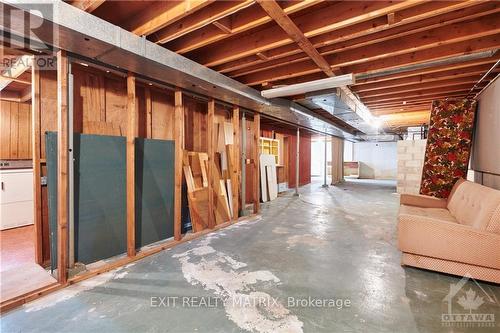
x=211, y=14
x=160, y=14
x=242, y=21
x=314, y=23
x=363, y=34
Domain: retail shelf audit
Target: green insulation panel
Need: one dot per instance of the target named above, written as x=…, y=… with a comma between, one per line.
x=99, y=196
x=154, y=190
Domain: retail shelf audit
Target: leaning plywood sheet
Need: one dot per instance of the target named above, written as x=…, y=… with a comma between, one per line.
x=198, y=201
x=221, y=210
x=272, y=182
x=268, y=181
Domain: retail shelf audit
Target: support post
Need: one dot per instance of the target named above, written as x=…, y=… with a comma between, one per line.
x=243, y=164
x=236, y=161
x=211, y=161
x=35, y=150
x=256, y=154
x=337, y=160
x=326, y=164
x=149, y=121
x=179, y=147
x=71, y=174
x=62, y=166
x=131, y=133
x=297, y=160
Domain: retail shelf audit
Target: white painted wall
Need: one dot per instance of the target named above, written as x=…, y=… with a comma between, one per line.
x=378, y=159
x=485, y=152
x=348, y=151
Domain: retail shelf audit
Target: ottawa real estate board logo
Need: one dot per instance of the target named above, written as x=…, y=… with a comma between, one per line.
x=465, y=303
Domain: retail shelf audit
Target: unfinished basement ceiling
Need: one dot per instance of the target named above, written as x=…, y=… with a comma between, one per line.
x=403, y=54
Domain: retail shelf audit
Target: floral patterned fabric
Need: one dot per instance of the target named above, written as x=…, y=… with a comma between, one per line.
x=448, y=146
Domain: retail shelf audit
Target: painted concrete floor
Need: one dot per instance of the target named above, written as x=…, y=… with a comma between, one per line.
x=336, y=247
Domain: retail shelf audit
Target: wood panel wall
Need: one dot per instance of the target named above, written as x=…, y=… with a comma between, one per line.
x=304, y=161
x=289, y=139
x=15, y=130
x=195, y=124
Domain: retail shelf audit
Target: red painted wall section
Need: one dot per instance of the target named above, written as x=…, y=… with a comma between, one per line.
x=304, y=160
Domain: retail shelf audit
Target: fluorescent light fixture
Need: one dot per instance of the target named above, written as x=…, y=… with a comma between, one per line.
x=302, y=88
x=301, y=112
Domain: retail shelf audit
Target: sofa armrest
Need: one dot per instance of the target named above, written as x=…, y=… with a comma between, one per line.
x=423, y=201
x=448, y=240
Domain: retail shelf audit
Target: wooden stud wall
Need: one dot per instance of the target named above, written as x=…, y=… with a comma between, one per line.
x=108, y=104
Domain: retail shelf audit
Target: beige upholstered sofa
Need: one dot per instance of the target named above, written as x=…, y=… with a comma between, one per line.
x=459, y=235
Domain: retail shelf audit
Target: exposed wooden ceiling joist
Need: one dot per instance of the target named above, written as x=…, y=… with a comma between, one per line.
x=162, y=13
x=422, y=78
x=87, y=5
x=211, y=14
x=471, y=79
x=364, y=34
x=313, y=23
x=281, y=18
x=469, y=32
x=242, y=21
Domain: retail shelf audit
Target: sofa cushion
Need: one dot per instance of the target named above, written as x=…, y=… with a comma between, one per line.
x=448, y=240
x=473, y=204
x=434, y=213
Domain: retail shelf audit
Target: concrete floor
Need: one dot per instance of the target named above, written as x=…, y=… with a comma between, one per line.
x=337, y=243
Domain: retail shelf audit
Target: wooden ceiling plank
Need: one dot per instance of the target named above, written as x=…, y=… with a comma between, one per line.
x=211, y=14
x=87, y=5
x=313, y=23
x=364, y=33
x=159, y=15
x=245, y=20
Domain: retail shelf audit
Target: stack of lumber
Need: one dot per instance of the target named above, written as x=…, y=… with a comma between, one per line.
x=224, y=175
x=195, y=173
